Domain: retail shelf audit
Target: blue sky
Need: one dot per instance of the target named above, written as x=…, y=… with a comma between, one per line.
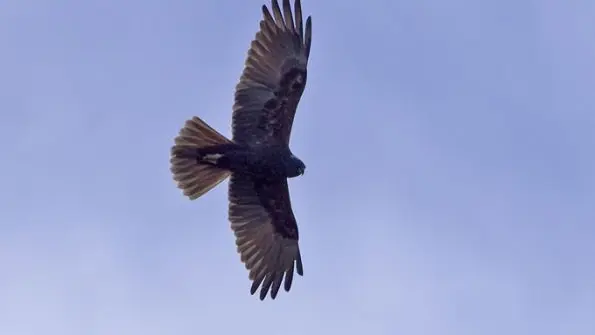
x=450, y=183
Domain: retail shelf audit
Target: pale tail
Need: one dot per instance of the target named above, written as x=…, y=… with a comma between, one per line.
x=192, y=178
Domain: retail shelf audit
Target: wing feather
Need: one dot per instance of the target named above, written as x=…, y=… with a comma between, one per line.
x=266, y=233
x=274, y=77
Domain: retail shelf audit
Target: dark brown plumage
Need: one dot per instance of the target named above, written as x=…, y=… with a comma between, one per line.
x=258, y=158
x=274, y=77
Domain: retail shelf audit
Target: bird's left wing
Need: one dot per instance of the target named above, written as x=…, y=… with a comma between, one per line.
x=266, y=233
x=274, y=77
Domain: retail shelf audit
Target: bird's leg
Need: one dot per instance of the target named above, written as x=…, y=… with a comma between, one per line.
x=222, y=156
x=188, y=152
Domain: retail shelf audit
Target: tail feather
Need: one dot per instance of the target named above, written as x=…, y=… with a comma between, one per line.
x=192, y=178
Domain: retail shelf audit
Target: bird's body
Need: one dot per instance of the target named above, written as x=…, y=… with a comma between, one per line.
x=268, y=163
x=257, y=159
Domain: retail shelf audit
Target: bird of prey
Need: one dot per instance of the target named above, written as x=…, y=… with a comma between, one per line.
x=257, y=159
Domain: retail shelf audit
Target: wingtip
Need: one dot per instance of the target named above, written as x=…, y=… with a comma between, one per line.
x=298, y=264
x=308, y=36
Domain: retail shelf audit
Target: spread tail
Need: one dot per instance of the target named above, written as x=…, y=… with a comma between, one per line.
x=192, y=177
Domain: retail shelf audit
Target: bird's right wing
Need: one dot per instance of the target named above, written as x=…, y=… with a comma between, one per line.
x=274, y=77
x=266, y=233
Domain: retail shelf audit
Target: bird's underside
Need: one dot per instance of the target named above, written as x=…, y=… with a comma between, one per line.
x=264, y=164
x=257, y=159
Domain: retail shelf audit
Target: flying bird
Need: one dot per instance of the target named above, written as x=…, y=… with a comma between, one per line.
x=257, y=160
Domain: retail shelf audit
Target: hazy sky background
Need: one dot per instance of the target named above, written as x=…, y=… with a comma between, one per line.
x=450, y=187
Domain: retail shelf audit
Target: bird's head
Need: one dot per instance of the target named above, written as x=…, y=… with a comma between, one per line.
x=295, y=167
